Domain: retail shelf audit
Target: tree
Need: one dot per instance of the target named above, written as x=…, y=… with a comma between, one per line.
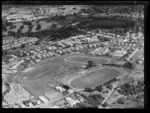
x=90, y=64
x=19, y=31
x=4, y=53
x=105, y=104
x=38, y=27
x=11, y=33
x=4, y=28
x=27, y=23
x=99, y=88
x=12, y=26
x=54, y=25
x=23, y=45
x=22, y=26
x=128, y=65
x=30, y=26
x=121, y=100
x=66, y=87
x=88, y=89
x=14, y=48
x=109, y=86
x=110, y=81
x=37, y=42
x=141, y=82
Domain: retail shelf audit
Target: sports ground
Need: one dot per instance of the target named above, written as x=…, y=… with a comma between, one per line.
x=94, y=78
x=42, y=77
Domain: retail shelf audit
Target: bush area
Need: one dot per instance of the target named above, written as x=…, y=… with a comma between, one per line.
x=130, y=89
x=95, y=100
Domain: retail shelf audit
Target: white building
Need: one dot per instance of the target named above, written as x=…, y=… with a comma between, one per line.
x=60, y=89
x=72, y=101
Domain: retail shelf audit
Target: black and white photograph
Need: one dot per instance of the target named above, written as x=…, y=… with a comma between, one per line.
x=73, y=55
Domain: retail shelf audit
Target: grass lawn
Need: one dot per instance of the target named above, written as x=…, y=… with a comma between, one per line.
x=37, y=88
x=94, y=78
x=41, y=71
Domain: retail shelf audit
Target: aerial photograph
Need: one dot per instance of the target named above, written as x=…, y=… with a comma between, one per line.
x=73, y=56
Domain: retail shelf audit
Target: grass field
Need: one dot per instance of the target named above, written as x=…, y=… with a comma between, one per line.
x=94, y=78
x=41, y=71
x=85, y=59
x=36, y=80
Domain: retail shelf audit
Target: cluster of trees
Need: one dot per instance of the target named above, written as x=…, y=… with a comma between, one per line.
x=110, y=81
x=89, y=89
x=109, y=86
x=65, y=86
x=128, y=65
x=106, y=23
x=83, y=105
x=95, y=100
x=121, y=100
x=27, y=23
x=131, y=89
x=12, y=26
x=58, y=17
x=90, y=64
x=99, y=88
x=112, y=65
x=22, y=26
x=4, y=28
x=103, y=39
x=4, y=53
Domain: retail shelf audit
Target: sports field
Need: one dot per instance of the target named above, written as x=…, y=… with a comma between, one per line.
x=41, y=71
x=94, y=78
x=42, y=77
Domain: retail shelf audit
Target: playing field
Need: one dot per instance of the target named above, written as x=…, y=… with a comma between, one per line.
x=94, y=78
x=84, y=59
x=41, y=71
x=36, y=81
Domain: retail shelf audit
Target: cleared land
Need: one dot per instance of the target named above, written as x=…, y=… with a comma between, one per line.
x=94, y=78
